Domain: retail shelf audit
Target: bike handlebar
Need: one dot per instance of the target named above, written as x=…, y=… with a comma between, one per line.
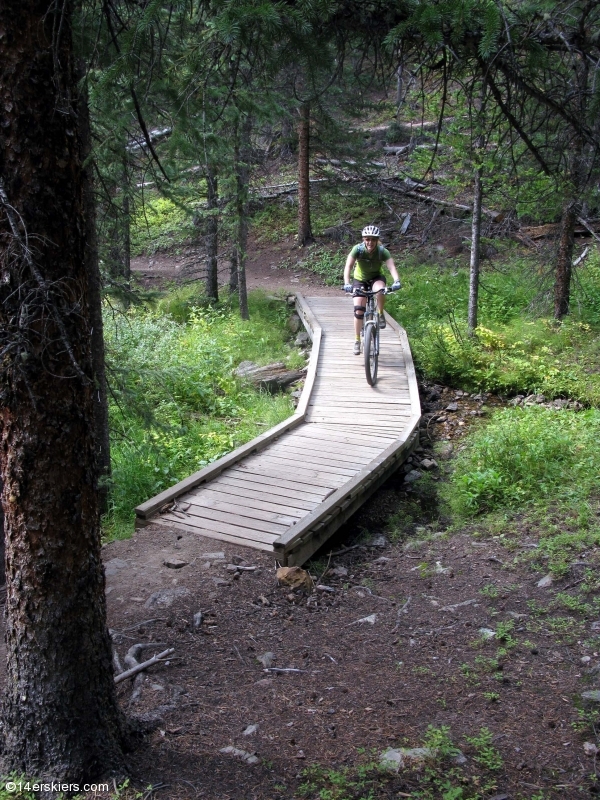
x=367, y=293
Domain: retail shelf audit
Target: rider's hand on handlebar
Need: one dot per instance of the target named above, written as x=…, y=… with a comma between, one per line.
x=395, y=286
x=348, y=287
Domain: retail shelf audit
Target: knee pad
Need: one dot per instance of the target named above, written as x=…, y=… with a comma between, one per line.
x=359, y=312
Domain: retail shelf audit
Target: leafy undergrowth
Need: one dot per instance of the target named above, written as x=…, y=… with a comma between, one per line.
x=518, y=346
x=176, y=405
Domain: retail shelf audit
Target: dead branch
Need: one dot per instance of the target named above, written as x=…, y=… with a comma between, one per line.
x=144, y=665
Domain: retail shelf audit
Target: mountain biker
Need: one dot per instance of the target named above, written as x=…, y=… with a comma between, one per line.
x=367, y=259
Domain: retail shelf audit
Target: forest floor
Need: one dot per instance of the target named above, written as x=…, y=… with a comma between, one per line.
x=422, y=635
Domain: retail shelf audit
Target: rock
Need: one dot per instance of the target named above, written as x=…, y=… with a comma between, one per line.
x=322, y=588
x=114, y=565
x=165, y=597
x=517, y=401
x=302, y=340
x=338, y=572
x=291, y=300
x=371, y=619
x=294, y=578
x=198, y=619
x=220, y=582
x=440, y=570
x=590, y=749
x=452, y=407
x=248, y=758
x=487, y=633
x=266, y=659
x=175, y=563
x=545, y=582
x=394, y=760
x=429, y=463
x=412, y=476
x=378, y=541
x=238, y=560
x=595, y=626
x=294, y=323
x=220, y=556
x=592, y=696
x=250, y=730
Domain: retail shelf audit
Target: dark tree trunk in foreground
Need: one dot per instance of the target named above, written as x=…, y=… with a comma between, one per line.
x=304, y=228
x=475, y=252
x=564, y=261
x=242, y=173
x=60, y=716
x=212, y=238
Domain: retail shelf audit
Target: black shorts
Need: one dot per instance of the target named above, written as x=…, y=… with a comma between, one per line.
x=367, y=286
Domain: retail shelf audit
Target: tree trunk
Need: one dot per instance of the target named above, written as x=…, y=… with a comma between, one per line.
x=304, y=228
x=212, y=238
x=475, y=251
x=95, y=300
x=233, y=271
x=242, y=172
x=564, y=260
x=60, y=715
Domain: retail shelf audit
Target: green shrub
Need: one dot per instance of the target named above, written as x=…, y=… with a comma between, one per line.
x=527, y=455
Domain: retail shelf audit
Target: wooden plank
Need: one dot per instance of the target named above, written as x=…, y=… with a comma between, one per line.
x=269, y=488
x=251, y=496
x=283, y=464
x=348, y=434
x=341, y=401
x=314, y=331
x=299, y=479
x=221, y=527
x=212, y=513
x=222, y=537
x=268, y=515
x=327, y=455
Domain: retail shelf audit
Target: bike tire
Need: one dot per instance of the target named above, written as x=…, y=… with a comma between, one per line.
x=371, y=351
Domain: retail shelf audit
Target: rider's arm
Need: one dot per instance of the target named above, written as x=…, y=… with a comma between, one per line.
x=392, y=268
x=350, y=262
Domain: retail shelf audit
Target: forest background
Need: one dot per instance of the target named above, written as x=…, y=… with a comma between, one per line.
x=207, y=120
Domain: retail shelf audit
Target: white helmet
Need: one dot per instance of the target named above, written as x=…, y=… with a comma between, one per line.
x=371, y=230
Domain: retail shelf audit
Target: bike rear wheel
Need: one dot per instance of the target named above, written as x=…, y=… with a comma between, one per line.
x=371, y=351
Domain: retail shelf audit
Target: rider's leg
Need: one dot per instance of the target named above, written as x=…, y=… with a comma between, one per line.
x=359, y=313
x=377, y=285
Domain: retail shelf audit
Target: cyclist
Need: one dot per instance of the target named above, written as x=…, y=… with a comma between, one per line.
x=367, y=259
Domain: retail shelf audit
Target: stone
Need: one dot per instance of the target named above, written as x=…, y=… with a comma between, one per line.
x=165, y=597
x=250, y=730
x=266, y=659
x=592, y=696
x=114, y=565
x=220, y=582
x=338, y=572
x=393, y=760
x=441, y=570
x=220, y=556
x=378, y=541
x=294, y=578
x=487, y=633
x=429, y=463
x=452, y=407
x=302, y=340
x=175, y=563
x=590, y=749
x=248, y=758
x=412, y=476
x=198, y=619
x=294, y=323
x=545, y=582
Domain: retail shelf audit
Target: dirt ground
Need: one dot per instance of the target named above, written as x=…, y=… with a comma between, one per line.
x=396, y=633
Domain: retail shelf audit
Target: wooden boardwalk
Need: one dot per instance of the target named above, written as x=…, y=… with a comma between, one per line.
x=290, y=489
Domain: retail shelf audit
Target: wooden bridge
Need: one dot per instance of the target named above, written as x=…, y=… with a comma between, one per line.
x=290, y=489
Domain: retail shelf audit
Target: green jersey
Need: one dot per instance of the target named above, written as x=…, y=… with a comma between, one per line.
x=368, y=266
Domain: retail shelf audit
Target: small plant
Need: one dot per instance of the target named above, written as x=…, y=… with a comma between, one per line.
x=491, y=697
x=490, y=591
x=486, y=755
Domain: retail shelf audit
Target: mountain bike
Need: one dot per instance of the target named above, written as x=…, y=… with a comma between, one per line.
x=370, y=334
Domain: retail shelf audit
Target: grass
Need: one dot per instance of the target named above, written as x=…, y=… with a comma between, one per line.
x=176, y=405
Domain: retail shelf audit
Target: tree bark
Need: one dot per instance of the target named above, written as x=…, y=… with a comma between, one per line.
x=212, y=238
x=242, y=173
x=60, y=715
x=233, y=271
x=95, y=300
x=475, y=251
x=564, y=260
x=304, y=227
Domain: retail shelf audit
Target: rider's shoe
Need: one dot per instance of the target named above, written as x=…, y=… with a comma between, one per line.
x=382, y=322
x=356, y=348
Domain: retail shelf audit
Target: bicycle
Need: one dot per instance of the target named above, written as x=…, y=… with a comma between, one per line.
x=370, y=332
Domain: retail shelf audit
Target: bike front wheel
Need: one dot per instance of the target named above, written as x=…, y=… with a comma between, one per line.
x=371, y=351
